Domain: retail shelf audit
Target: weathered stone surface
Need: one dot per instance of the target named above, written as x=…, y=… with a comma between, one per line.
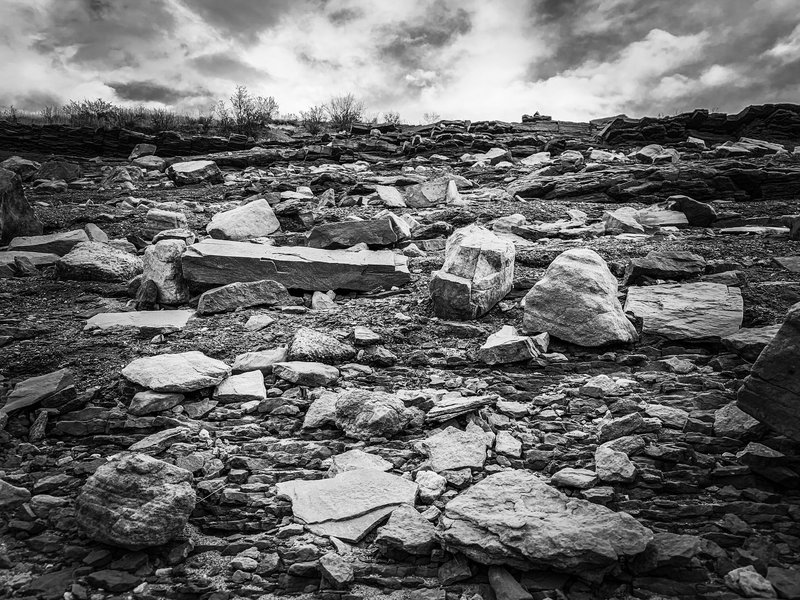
x=306, y=373
x=407, y=531
x=478, y=272
x=349, y=505
x=315, y=346
x=771, y=393
x=749, y=342
x=576, y=301
x=344, y=234
x=17, y=217
x=159, y=220
x=698, y=214
x=687, y=311
x=58, y=169
x=507, y=346
x=50, y=390
x=243, y=295
x=453, y=405
x=731, y=421
x=221, y=262
x=455, y=449
x=95, y=261
x=574, y=478
x=134, y=502
x=674, y=264
x=612, y=465
x=252, y=220
x=242, y=388
x=260, y=360
x=356, y=459
x=505, y=587
x=12, y=496
x=364, y=414
x=750, y=583
x=431, y=486
x=195, y=171
x=162, y=265
x=9, y=260
x=516, y=519
x=54, y=243
x=147, y=402
x=335, y=569
x=146, y=319
x=182, y=372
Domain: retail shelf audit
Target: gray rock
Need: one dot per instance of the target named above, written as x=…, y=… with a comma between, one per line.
x=58, y=169
x=749, y=342
x=261, y=360
x=94, y=261
x=356, y=459
x=159, y=220
x=455, y=449
x=671, y=264
x=21, y=166
x=365, y=414
x=574, y=478
x=336, y=570
x=478, y=272
x=431, y=486
x=611, y=429
x=162, y=265
x=135, y=501
x=749, y=583
x=50, y=391
x=408, y=532
x=731, y=421
x=310, y=374
x=576, y=301
x=612, y=465
x=514, y=518
x=140, y=150
x=17, y=217
x=157, y=320
x=182, y=372
x=245, y=387
x=147, y=402
x=344, y=234
x=454, y=405
x=195, y=171
x=315, y=346
x=244, y=295
x=53, y=243
x=12, y=497
x=507, y=346
x=505, y=587
x=253, y=220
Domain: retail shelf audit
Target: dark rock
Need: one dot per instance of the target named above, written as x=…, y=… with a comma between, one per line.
x=17, y=217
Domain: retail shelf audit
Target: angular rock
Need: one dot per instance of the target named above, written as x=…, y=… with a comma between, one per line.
x=162, y=266
x=135, y=501
x=364, y=414
x=687, y=311
x=150, y=163
x=219, y=262
x=50, y=391
x=310, y=374
x=159, y=320
x=698, y=214
x=344, y=234
x=12, y=497
x=95, y=261
x=507, y=346
x=58, y=169
x=182, y=372
x=140, y=150
x=9, y=261
x=245, y=387
x=21, y=166
x=356, y=459
x=453, y=405
x=731, y=421
x=17, y=217
x=408, y=532
x=54, y=243
x=455, y=449
x=390, y=196
x=505, y=587
x=315, y=346
x=195, y=171
x=478, y=272
x=243, y=295
x=771, y=393
x=253, y=220
x=349, y=505
x=574, y=478
x=750, y=583
x=514, y=518
x=672, y=264
x=576, y=301
x=336, y=569
x=612, y=465
x=162, y=220
x=431, y=486
x=147, y=402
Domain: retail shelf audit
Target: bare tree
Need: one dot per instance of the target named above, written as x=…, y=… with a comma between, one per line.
x=431, y=117
x=391, y=117
x=49, y=113
x=343, y=111
x=313, y=119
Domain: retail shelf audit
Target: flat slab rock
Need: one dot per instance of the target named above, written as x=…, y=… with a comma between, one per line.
x=687, y=311
x=220, y=262
x=182, y=372
x=53, y=243
x=39, y=259
x=515, y=518
x=145, y=319
x=349, y=505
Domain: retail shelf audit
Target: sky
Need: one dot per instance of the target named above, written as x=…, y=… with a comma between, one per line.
x=460, y=59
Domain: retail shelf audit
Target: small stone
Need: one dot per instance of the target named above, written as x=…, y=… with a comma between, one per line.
x=244, y=387
x=612, y=465
x=748, y=582
x=574, y=478
x=306, y=373
x=335, y=569
x=407, y=531
x=431, y=486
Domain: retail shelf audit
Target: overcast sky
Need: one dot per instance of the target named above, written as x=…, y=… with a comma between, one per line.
x=471, y=59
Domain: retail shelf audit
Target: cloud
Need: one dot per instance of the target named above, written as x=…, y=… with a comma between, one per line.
x=244, y=19
x=226, y=65
x=152, y=91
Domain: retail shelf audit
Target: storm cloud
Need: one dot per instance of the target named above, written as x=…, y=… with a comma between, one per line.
x=573, y=59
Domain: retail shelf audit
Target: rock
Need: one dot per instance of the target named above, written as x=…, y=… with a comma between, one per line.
x=622, y=220
x=161, y=440
x=155, y=320
x=261, y=360
x=364, y=336
x=12, y=497
x=162, y=265
x=50, y=391
x=612, y=465
x=195, y=171
x=182, y=372
x=140, y=150
x=574, y=478
x=147, y=402
x=320, y=301
x=599, y=386
x=431, y=486
x=162, y=220
x=344, y=234
x=454, y=570
x=135, y=501
x=21, y=166
x=258, y=322
x=9, y=261
x=731, y=421
x=17, y=217
x=310, y=374
x=390, y=196
x=698, y=214
x=455, y=449
x=253, y=220
x=748, y=582
x=336, y=570
x=245, y=387
x=322, y=411
x=514, y=518
x=244, y=295
x=113, y=581
x=150, y=163
x=507, y=346
x=785, y=581
x=654, y=217
x=670, y=416
x=356, y=459
x=771, y=393
x=750, y=342
x=349, y=505
x=478, y=272
x=311, y=345
x=611, y=429
x=407, y=531
x=507, y=444
x=690, y=311
x=505, y=587
x=576, y=301
x=664, y=265
x=219, y=262
x=655, y=154
x=58, y=169
x=453, y=405
x=95, y=261
x=364, y=414
x=54, y=243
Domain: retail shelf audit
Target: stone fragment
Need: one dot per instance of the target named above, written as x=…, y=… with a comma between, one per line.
x=182, y=372
x=622, y=220
x=17, y=217
x=390, y=196
x=159, y=220
x=162, y=266
x=140, y=150
x=690, y=311
x=672, y=264
x=252, y=220
x=50, y=391
x=322, y=411
x=514, y=518
x=9, y=261
x=431, y=486
x=670, y=416
x=243, y=295
x=455, y=449
x=310, y=374
x=731, y=421
x=574, y=478
x=749, y=583
x=260, y=360
x=161, y=440
x=219, y=262
x=135, y=501
x=576, y=301
x=95, y=261
x=320, y=301
x=365, y=414
x=355, y=459
x=344, y=234
x=194, y=171
x=311, y=345
x=407, y=531
x=12, y=497
x=336, y=569
x=21, y=166
x=258, y=322
x=611, y=429
x=58, y=169
x=453, y=405
x=477, y=273
x=245, y=387
x=147, y=402
x=612, y=465
x=507, y=444
x=505, y=587
x=150, y=163
x=507, y=346
x=159, y=320
x=698, y=214
x=53, y=243
x=349, y=505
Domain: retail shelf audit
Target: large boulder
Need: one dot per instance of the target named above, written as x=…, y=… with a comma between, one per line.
x=478, y=272
x=135, y=501
x=514, y=518
x=182, y=372
x=16, y=215
x=364, y=414
x=243, y=295
x=253, y=220
x=576, y=301
x=314, y=346
x=95, y=261
x=162, y=266
x=771, y=393
x=195, y=171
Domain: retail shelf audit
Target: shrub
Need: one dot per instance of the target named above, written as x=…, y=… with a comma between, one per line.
x=431, y=117
x=250, y=114
x=313, y=119
x=343, y=111
x=162, y=119
x=391, y=117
